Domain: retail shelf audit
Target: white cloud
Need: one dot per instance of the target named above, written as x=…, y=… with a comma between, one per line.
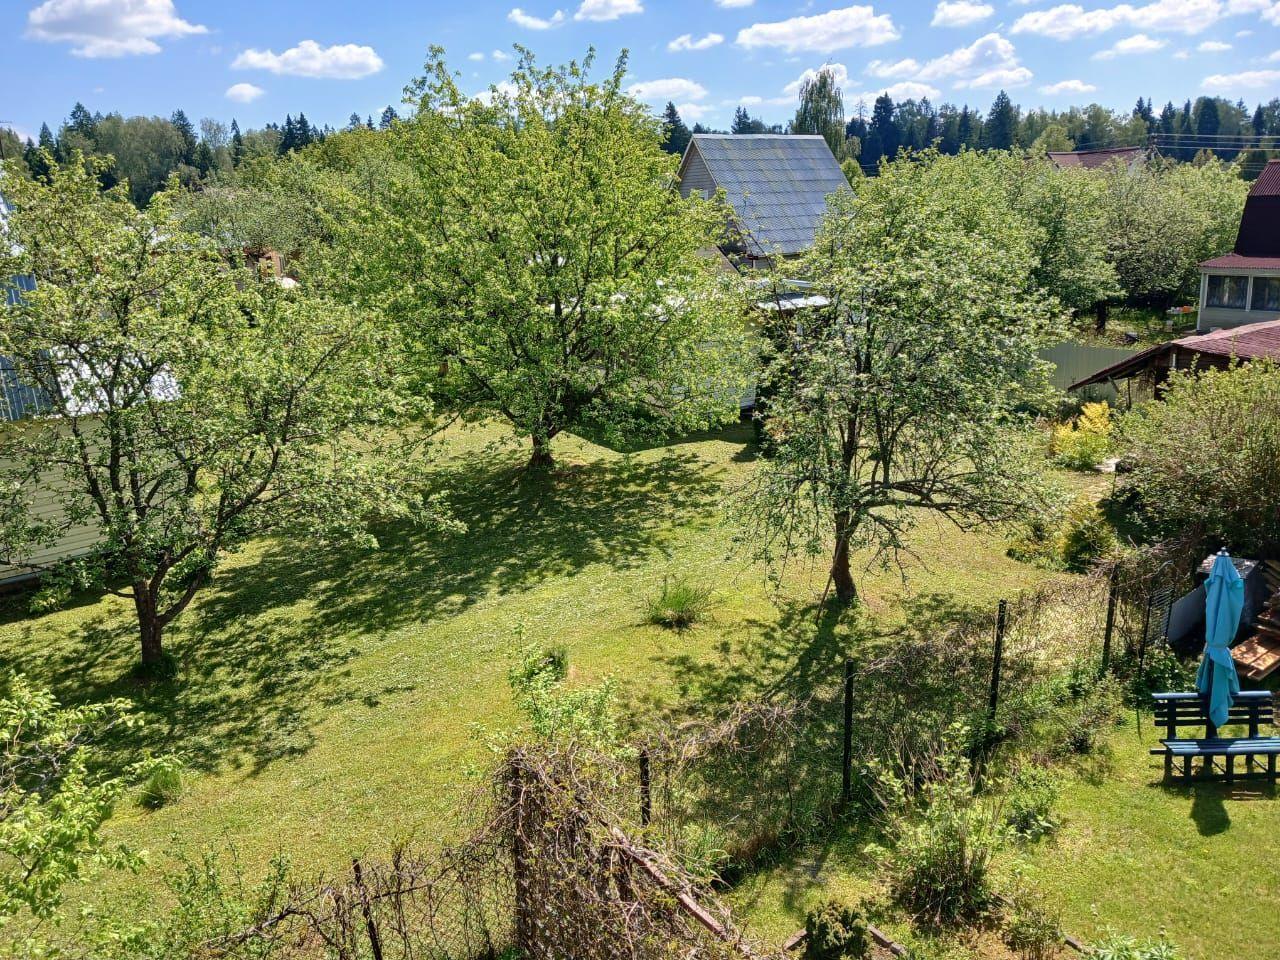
x=500, y=55
x=477, y=56
x=837, y=70
x=855, y=26
x=1137, y=44
x=686, y=42
x=1249, y=6
x=900, y=68
x=692, y=111
x=244, y=92
x=1067, y=86
x=530, y=22
x=1274, y=58
x=1248, y=80
x=731, y=4
x=990, y=61
x=1213, y=46
x=960, y=13
x=1070, y=20
x=342, y=61
x=108, y=28
x=906, y=90
x=668, y=88
x=607, y=9
x=505, y=87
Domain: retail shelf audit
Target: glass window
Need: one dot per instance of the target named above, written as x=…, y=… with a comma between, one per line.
x=1229, y=292
x=1266, y=293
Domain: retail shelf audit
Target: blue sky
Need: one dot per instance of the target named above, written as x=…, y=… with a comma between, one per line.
x=258, y=60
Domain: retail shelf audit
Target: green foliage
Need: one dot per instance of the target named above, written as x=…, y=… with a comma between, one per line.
x=836, y=931
x=558, y=282
x=1032, y=794
x=163, y=785
x=559, y=713
x=1084, y=444
x=1097, y=711
x=1205, y=458
x=821, y=111
x=1118, y=947
x=52, y=802
x=1086, y=536
x=703, y=850
x=1162, y=671
x=919, y=363
x=678, y=605
x=940, y=864
x=1032, y=929
x=192, y=407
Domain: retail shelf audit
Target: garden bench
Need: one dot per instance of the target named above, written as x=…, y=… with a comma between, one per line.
x=1251, y=709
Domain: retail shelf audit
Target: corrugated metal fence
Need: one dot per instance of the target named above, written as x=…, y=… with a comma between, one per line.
x=1074, y=361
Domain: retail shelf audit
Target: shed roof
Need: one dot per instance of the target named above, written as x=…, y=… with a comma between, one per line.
x=777, y=184
x=1251, y=341
x=1259, y=234
x=1093, y=159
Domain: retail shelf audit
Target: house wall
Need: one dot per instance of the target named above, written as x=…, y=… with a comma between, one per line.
x=1219, y=318
x=696, y=176
x=45, y=503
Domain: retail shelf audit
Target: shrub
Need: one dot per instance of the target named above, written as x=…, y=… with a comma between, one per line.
x=1097, y=710
x=1033, y=791
x=1086, y=443
x=1032, y=929
x=702, y=850
x=1086, y=536
x=162, y=787
x=939, y=868
x=556, y=712
x=1162, y=670
x=836, y=931
x=679, y=605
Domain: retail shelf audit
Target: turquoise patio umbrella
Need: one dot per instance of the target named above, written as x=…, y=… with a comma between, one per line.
x=1223, y=601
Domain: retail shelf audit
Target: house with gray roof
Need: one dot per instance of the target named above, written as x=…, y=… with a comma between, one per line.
x=776, y=184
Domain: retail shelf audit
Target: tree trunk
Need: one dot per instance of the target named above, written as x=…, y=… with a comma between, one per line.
x=1100, y=316
x=149, y=628
x=841, y=578
x=541, y=458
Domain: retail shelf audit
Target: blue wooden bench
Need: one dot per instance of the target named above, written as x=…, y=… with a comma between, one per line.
x=1252, y=709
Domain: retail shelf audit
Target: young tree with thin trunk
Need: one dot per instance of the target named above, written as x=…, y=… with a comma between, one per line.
x=898, y=398
x=535, y=247
x=180, y=406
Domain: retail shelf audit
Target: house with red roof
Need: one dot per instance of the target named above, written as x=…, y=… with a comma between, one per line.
x=1243, y=287
x=1130, y=157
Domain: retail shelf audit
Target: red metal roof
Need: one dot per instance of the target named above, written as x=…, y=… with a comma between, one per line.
x=1093, y=159
x=1268, y=182
x=1247, y=342
x=1236, y=261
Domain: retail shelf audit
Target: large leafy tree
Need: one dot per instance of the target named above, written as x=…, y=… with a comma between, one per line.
x=187, y=405
x=821, y=111
x=535, y=248
x=898, y=397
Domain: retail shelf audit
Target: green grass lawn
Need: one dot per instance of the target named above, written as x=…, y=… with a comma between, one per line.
x=1133, y=856
x=331, y=701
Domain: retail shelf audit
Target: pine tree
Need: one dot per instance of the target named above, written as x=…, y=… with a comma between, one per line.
x=81, y=122
x=1001, y=128
x=821, y=111
x=237, y=144
x=1259, y=122
x=677, y=134
x=1168, y=118
x=305, y=132
x=882, y=134
x=389, y=116
x=288, y=136
x=204, y=160
x=354, y=122
x=743, y=122
x=188, y=133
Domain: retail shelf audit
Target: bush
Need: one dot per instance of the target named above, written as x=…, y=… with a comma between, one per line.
x=1032, y=929
x=1097, y=710
x=1086, y=536
x=679, y=605
x=162, y=787
x=836, y=931
x=1086, y=443
x=1033, y=791
x=939, y=868
x=557, y=713
x=1162, y=670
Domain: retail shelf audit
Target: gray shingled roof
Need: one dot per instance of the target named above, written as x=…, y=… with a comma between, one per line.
x=777, y=184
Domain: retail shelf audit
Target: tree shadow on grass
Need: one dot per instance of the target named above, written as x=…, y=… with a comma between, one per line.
x=269, y=648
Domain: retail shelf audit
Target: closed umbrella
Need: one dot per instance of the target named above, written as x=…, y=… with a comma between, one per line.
x=1223, y=602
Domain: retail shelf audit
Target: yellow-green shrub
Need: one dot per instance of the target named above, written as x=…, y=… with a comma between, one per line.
x=1084, y=444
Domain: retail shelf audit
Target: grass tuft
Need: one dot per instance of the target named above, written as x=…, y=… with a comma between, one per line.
x=678, y=605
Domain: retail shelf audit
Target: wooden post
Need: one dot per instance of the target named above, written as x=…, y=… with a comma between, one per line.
x=846, y=766
x=646, y=789
x=520, y=866
x=984, y=745
x=375, y=944
x=1113, y=595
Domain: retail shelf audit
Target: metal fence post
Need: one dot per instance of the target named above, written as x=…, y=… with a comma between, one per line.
x=375, y=943
x=1113, y=595
x=646, y=789
x=993, y=695
x=846, y=767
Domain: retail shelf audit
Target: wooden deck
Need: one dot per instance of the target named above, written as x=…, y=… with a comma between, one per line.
x=1259, y=656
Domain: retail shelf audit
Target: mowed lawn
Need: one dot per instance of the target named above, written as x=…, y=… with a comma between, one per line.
x=1133, y=856
x=332, y=701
